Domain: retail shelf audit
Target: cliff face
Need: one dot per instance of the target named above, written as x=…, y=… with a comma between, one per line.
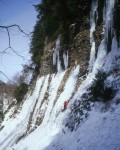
x=85, y=72
x=77, y=50
x=84, y=35
x=46, y=64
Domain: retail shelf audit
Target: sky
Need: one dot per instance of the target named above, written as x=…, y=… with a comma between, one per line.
x=23, y=13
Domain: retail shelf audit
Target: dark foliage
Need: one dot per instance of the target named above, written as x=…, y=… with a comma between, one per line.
x=99, y=90
x=37, y=44
x=20, y=91
x=54, y=19
x=79, y=112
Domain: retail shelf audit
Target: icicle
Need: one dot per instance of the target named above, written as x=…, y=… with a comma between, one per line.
x=93, y=18
x=109, y=14
x=92, y=57
x=56, y=49
x=114, y=44
x=100, y=57
x=65, y=58
x=108, y=19
x=56, y=59
x=59, y=68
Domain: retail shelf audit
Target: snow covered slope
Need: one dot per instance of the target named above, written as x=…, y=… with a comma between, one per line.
x=41, y=123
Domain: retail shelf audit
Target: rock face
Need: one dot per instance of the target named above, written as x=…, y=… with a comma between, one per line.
x=46, y=64
x=78, y=51
x=1, y=112
x=78, y=46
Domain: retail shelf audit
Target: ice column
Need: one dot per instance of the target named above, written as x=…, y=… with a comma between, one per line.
x=65, y=58
x=93, y=19
x=56, y=59
x=108, y=17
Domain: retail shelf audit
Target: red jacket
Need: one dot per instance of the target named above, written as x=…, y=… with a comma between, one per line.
x=65, y=103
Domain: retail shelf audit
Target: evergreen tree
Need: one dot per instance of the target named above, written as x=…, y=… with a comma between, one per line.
x=54, y=18
x=99, y=90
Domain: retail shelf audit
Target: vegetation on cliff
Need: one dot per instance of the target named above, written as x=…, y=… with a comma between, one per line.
x=99, y=89
x=20, y=91
x=56, y=18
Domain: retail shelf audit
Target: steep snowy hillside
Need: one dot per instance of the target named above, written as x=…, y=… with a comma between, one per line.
x=88, y=122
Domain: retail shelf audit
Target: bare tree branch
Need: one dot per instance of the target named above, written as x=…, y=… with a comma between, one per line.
x=15, y=25
x=9, y=38
x=7, y=77
x=5, y=51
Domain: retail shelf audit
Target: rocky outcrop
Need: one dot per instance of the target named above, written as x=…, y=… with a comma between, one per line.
x=78, y=44
x=46, y=64
x=78, y=51
x=80, y=47
x=1, y=113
